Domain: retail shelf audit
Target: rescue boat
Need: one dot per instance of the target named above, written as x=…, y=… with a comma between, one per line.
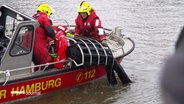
x=17, y=81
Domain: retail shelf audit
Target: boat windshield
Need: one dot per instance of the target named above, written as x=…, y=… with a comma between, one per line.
x=23, y=42
x=11, y=24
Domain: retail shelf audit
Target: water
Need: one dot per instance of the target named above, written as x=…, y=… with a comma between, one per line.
x=154, y=25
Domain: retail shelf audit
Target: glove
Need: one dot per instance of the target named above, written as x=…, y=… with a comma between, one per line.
x=52, y=49
x=104, y=42
x=70, y=35
x=53, y=55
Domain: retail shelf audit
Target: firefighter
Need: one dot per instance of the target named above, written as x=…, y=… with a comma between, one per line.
x=45, y=30
x=87, y=23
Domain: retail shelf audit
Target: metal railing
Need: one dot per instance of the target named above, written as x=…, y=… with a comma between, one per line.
x=8, y=75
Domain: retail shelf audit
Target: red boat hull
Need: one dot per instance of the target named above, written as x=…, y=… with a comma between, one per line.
x=46, y=84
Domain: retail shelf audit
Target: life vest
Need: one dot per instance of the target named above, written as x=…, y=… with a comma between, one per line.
x=62, y=46
x=27, y=39
x=89, y=26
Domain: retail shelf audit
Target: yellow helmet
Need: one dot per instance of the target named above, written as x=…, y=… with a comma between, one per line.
x=45, y=7
x=84, y=7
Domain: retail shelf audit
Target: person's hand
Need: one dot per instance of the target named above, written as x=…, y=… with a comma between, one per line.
x=70, y=35
x=104, y=42
x=52, y=49
x=53, y=55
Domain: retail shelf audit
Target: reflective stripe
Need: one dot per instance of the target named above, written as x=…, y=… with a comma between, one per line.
x=61, y=27
x=97, y=22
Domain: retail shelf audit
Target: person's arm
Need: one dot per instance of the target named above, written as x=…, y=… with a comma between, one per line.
x=67, y=32
x=48, y=27
x=99, y=29
x=77, y=28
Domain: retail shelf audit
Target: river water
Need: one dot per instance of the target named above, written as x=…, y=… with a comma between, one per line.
x=154, y=25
